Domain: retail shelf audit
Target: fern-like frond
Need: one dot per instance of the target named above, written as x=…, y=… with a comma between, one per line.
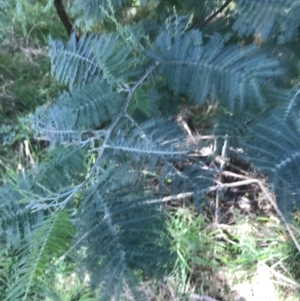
x=49, y=184
x=288, y=102
x=65, y=169
x=117, y=223
x=47, y=243
x=74, y=116
x=272, y=146
x=233, y=75
x=263, y=18
x=79, y=62
x=155, y=148
x=155, y=138
x=16, y=223
x=140, y=101
x=74, y=64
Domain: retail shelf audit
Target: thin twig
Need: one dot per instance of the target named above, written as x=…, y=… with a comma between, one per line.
x=220, y=185
x=122, y=113
x=208, y=19
x=234, y=175
x=270, y=199
x=176, y=197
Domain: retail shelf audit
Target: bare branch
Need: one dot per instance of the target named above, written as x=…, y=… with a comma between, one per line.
x=63, y=16
x=211, y=17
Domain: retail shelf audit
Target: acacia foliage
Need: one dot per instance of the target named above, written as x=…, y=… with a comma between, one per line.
x=115, y=149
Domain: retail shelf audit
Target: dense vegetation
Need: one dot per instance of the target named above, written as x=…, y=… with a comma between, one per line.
x=158, y=105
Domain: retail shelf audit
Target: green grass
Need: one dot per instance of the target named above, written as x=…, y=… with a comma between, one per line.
x=25, y=79
x=232, y=256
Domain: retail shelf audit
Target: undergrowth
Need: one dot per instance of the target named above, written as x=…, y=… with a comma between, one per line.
x=25, y=80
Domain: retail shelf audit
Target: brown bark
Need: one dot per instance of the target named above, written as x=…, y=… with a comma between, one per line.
x=63, y=16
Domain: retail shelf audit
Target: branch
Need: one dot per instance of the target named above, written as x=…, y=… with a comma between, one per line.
x=246, y=181
x=120, y=115
x=208, y=19
x=63, y=16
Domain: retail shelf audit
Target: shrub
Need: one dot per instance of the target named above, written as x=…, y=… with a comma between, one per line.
x=115, y=149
